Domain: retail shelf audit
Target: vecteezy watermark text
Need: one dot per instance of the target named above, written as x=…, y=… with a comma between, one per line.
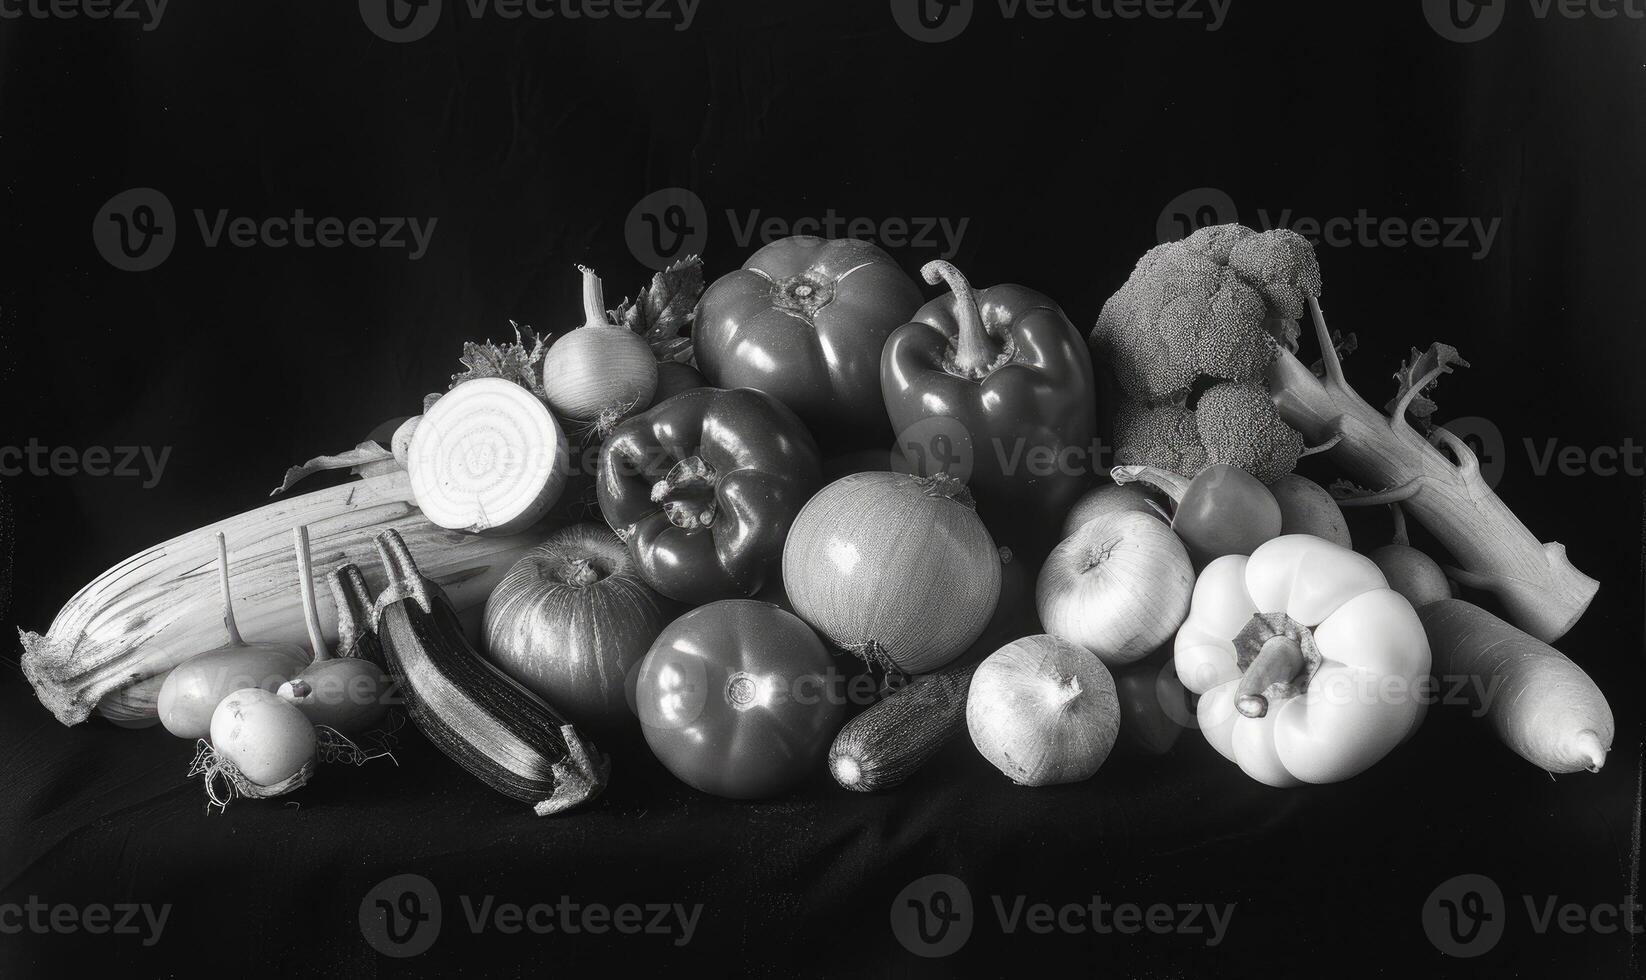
x=126, y=462
x=1467, y=21
x=1466, y=915
x=147, y=12
x=402, y=917
x=1204, y=206
x=670, y=224
x=403, y=21
x=136, y=230
x=935, y=21
x=119, y=919
x=935, y=915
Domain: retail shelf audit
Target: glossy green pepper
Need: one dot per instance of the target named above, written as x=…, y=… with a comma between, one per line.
x=804, y=321
x=703, y=488
x=995, y=387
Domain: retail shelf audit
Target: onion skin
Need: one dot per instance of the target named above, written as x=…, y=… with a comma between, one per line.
x=599, y=367
x=1108, y=499
x=893, y=569
x=1120, y=587
x=570, y=621
x=1043, y=711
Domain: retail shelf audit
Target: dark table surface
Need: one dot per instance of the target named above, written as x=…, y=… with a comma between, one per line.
x=1054, y=149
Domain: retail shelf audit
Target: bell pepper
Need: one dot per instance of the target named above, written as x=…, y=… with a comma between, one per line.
x=1308, y=666
x=995, y=387
x=703, y=489
x=1222, y=511
x=804, y=321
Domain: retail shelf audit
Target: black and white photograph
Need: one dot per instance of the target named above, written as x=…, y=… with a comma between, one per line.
x=822, y=488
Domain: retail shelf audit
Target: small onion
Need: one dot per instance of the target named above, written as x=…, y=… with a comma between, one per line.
x=1111, y=497
x=269, y=741
x=570, y=620
x=1119, y=587
x=897, y=569
x=1043, y=711
x=602, y=371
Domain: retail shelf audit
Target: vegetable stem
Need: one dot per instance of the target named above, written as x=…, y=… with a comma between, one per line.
x=1171, y=484
x=975, y=351
x=1280, y=660
x=228, y=597
x=305, y=583
x=1536, y=582
x=594, y=299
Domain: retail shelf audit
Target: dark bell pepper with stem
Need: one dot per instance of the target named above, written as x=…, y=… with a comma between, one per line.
x=995, y=387
x=804, y=321
x=703, y=488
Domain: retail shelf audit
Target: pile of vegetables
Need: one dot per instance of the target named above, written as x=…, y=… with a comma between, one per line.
x=750, y=563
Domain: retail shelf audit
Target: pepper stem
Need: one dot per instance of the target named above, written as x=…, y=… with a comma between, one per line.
x=594, y=299
x=1280, y=660
x=1167, y=482
x=975, y=351
x=228, y=597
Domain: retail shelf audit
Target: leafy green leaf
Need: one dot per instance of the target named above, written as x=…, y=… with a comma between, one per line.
x=1419, y=375
x=662, y=310
x=520, y=362
x=367, y=459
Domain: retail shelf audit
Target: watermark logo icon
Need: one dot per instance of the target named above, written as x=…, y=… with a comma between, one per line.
x=400, y=21
x=1464, y=21
x=933, y=917
x=136, y=230
x=1464, y=916
x=938, y=444
x=666, y=226
x=401, y=916
x=932, y=21
x=1486, y=439
x=1193, y=210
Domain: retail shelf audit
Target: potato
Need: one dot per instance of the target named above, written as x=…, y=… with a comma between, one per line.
x=1306, y=508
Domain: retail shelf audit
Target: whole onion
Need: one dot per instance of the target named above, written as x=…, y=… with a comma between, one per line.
x=601, y=372
x=897, y=569
x=1119, y=587
x=1111, y=497
x=570, y=620
x=1043, y=711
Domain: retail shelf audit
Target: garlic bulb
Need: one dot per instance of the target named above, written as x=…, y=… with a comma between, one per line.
x=1119, y=587
x=1043, y=711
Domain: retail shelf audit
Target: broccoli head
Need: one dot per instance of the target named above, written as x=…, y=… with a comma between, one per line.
x=1231, y=422
x=1190, y=338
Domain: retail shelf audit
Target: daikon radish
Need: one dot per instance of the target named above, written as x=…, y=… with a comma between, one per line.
x=1541, y=705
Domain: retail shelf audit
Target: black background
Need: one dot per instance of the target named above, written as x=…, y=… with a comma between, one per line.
x=1060, y=141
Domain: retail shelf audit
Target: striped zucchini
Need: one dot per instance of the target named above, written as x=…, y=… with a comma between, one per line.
x=485, y=720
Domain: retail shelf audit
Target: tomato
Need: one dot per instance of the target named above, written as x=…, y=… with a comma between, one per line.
x=740, y=699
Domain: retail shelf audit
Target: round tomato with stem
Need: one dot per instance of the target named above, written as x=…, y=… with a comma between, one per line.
x=804, y=320
x=740, y=699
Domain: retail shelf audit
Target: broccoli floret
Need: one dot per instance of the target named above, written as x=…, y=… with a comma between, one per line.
x=1163, y=435
x=1230, y=422
x=1190, y=338
x=1239, y=425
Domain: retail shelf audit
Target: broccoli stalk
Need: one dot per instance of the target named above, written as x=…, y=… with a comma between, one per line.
x=1538, y=586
